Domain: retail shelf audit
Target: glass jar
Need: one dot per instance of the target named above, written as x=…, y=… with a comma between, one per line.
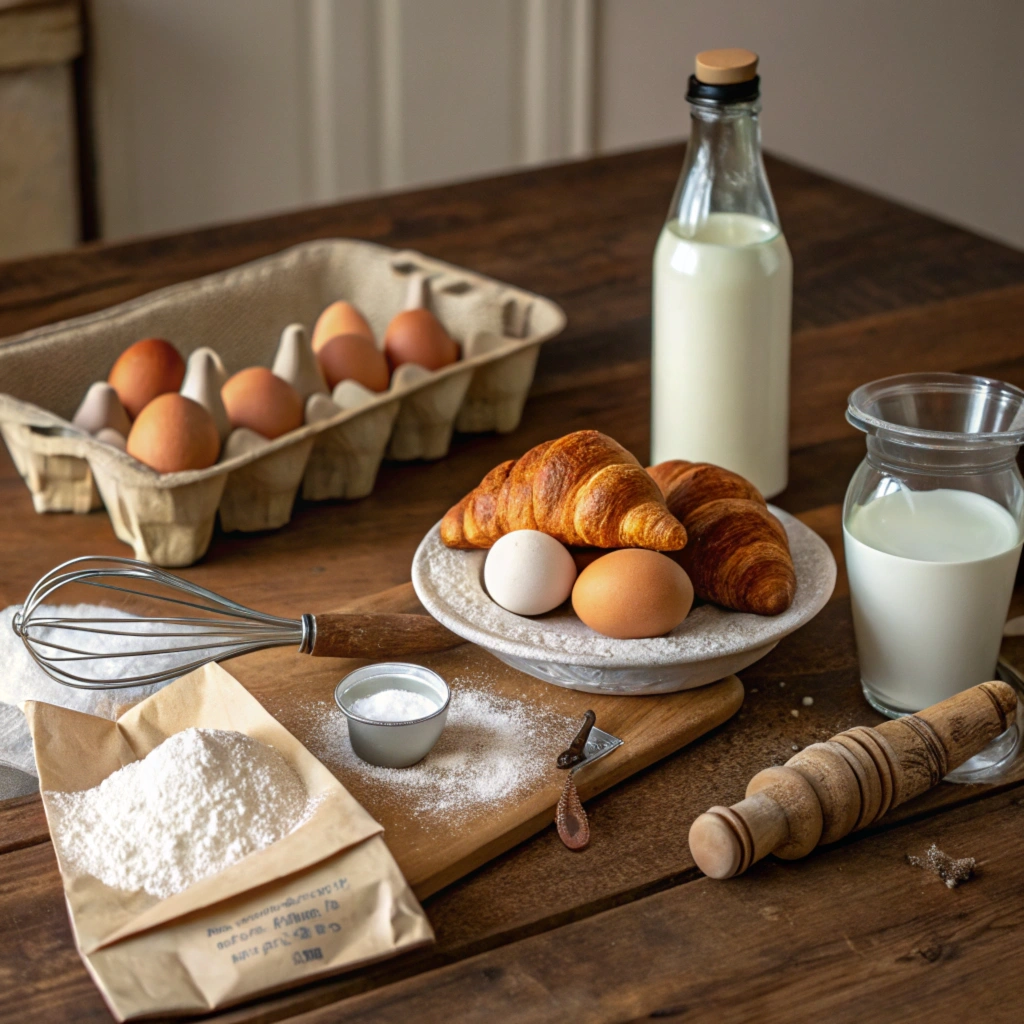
x=932, y=530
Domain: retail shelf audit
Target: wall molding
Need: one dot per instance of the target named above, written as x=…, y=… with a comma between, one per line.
x=322, y=118
x=539, y=25
x=342, y=122
x=392, y=172
x=558, y=87
x=583, y=80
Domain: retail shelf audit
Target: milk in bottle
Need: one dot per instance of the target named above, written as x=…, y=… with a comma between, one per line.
x=723, y=282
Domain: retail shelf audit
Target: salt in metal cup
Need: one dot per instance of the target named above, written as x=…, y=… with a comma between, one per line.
x=393, y=744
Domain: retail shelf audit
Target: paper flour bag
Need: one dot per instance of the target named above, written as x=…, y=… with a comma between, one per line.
x=324, y=898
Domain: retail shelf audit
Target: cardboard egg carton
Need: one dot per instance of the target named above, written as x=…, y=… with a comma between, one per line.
x=241, y=313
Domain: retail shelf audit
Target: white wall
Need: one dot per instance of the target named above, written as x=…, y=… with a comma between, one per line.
x=201, y=111
x=916, y=99
x=212, y=110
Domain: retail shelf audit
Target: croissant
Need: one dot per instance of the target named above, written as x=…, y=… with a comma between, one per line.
x=738, y=552
x=582, y=489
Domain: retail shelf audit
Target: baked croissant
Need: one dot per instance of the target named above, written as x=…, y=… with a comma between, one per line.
x=583, y=489
x=738, y=552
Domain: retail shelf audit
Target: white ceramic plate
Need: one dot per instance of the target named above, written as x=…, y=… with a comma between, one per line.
x=711, y=643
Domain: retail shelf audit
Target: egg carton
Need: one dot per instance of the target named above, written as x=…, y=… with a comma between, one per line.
x=240, y=313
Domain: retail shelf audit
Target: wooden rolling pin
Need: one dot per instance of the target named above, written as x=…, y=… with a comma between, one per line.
x=830, y=789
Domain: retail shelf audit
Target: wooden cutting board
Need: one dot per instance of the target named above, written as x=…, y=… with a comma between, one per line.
x=433, y=846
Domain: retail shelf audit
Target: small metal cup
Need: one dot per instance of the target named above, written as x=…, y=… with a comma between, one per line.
x=393, y=744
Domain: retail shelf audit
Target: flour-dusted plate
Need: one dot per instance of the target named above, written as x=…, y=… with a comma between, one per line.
x=711, y=643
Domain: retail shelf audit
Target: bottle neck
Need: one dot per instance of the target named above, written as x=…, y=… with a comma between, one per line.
x=723, y=171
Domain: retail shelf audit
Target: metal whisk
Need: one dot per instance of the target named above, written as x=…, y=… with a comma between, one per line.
x=173, y=645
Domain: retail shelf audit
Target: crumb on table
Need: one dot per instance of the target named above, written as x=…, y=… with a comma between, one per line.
x=952, y=870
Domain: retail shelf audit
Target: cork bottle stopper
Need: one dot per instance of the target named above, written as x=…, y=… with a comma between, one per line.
x=726, y=67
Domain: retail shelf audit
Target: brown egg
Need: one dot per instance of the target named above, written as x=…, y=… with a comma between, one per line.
x=353, y=357
x=339, y=318
x=173, y=433
x=257, y=399
x=417, y=336
x=144, y=370
x=632, y=593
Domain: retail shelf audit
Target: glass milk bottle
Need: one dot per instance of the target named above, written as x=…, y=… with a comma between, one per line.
x=932, y=530
x=723, y=284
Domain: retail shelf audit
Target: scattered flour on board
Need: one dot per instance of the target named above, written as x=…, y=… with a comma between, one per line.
x=196, y=804
x=493, y=749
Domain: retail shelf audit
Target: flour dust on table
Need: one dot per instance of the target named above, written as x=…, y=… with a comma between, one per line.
x=196, y=804
x=492, y=751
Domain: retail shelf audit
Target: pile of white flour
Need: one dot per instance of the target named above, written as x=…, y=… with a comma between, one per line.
x=195, y=805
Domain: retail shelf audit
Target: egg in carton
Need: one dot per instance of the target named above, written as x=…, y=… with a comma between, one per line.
x=246, y=316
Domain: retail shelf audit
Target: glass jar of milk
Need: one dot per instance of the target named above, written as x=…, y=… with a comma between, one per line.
x=932, y=531
x=723, y=284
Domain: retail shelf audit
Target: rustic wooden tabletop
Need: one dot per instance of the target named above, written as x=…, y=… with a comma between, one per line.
x=628, y=929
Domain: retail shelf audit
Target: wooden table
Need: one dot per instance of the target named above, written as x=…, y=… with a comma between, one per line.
x=629, y=928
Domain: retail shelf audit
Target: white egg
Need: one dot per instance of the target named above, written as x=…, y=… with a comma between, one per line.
x=529, y=573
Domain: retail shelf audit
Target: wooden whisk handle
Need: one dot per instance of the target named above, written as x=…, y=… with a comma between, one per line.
x=830, y=789
x=379, y=635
